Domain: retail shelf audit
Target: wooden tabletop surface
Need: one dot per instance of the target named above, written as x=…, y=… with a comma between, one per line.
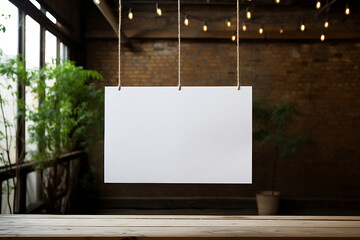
x=177, y=227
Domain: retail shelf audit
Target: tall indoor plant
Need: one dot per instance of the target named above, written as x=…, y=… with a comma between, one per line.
x=69, y=116
x=271, y=125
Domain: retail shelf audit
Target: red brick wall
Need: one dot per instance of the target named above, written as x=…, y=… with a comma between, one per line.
x=324, y=78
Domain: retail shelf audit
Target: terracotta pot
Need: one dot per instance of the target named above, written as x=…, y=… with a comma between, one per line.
x=267, y=203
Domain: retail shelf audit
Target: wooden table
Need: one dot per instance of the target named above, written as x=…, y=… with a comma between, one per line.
x=177, y=227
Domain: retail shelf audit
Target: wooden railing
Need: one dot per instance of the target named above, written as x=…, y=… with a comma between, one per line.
x=21, y=172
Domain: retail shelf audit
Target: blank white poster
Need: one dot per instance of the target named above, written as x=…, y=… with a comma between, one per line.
x=162, y=135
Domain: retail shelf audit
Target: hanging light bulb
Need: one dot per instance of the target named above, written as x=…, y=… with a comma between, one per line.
x=233, y=37
x=228, y=23
x=244, y=26
x=302, y=27
x=277, y=1
x=97, y=2
x=261, y=30
x=130, y=15
x=322, y=37
x=205, y=28
x=326, y=24
x=186, y=21
x=248, y=13
x=347, y=9
x=318, y=4
x=281, y=30
x=158, y=10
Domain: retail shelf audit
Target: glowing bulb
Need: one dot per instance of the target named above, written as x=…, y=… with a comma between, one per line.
x=97, y=2
x=244, y=27
x=158, y=10
x=205, y=28
x=326, y=24
x=302, y=27
x=322, y=37
x=248, y=14
x=277, y=1
x=130, y=15
x=233, y=38
x=318, y=4
x=261, y=30
x=186, y=21
x=281, y=30
x=228, y=23
x=347, y=9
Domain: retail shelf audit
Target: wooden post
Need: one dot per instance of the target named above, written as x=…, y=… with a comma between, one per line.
x=21, y=188
x=20, y=201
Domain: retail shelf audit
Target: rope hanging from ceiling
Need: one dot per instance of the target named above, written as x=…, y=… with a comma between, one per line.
x=119, y=48
x=237, y=46
x=179, y=46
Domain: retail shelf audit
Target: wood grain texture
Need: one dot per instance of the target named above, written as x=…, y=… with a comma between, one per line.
x=177, y=227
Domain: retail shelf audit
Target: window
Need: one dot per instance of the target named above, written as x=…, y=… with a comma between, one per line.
x=36, y=4
x=32, y=58
x=63, y=52
x=35, y=34
x=9, y=46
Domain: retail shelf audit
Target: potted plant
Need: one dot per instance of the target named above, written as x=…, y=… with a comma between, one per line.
x=271, y=131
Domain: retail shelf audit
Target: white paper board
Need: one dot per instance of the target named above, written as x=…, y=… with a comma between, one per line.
x=162, y=135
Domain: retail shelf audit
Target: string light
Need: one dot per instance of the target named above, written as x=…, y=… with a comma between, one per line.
x=244, y=26
x=130, y=15
x=347, y=9
x=228, y=23
x=318, y=4
x=186, y=21
x=158, y=10
x=233, y=37
x=248, y=13
x=326, y=24
x=322, y=37
x=281, y=30
x=205, y=28
x=261, y=30
x=277, y=1
x=302, y=27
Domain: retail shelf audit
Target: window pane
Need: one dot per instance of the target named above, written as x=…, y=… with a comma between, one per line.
x=9, y=39
x=50, y=47
x=32, y=188
x=32, y=54
x=8, y=187
x=35, y=3
x=9, y=46
x=51, y=17
x=63, y=52
x=50, y=52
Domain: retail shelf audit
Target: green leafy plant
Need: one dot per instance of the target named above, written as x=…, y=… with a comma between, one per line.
x=2, y=26
x=69, y=117
x=70, y=112
x=271, y=124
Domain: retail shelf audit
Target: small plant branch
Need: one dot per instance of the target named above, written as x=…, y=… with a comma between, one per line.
x=7, y=151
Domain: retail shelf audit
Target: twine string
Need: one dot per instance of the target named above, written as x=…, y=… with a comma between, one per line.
x=119, y=48
x=179, y=46
x=237, y=46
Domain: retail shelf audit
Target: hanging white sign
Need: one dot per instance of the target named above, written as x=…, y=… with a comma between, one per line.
x=162, y=135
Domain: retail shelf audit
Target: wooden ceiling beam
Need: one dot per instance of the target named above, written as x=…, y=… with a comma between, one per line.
x=107, y=12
